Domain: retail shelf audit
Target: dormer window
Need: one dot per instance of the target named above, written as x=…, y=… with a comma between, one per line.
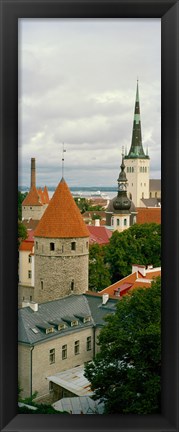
x=74, y=323
x=52, y=246
x=73, y=246
x=86, y=319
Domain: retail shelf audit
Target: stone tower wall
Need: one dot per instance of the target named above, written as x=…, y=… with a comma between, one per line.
x=61, y=271
x=137, y=173
x=33, y=212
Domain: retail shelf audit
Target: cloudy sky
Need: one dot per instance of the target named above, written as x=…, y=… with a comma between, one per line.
x=77, y=85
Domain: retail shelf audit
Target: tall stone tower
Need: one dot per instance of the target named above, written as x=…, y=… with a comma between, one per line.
x=137, y=162
x=61, y=249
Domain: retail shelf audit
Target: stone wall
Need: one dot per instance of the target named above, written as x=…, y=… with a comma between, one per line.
x=61, y=271
x=33, y=212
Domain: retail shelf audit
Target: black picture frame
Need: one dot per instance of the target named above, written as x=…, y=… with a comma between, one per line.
x=168, y=11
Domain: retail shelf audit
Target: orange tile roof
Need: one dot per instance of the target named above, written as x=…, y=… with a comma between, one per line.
x=148, y=215
x=133, y=281
x=62, y=218
x=26, y=246
x=36, y=197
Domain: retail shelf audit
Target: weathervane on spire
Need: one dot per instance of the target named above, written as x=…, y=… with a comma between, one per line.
x=63, y=159
x=122, y=152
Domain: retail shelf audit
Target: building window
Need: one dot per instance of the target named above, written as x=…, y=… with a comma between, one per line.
x=72, y=285
x=30, y=259
x=36, y=245
x=130, y=196
x=127, y=169
x=86, y=245
x=88, y=343
x=132, y=169
x=73, y=246
x=112, y=221
x=77, y=347
x=62, y=248
x=150, y=194
x=64, y=352
x=132, y=184
x=140, y=169
x=42, y=284
x=155, y=194
x=52, y=356
x=125, y=222
x=142, y=194
x=29, y=274
x=117, y=222
x=52, y=246
x=30, y=298
x=145, y=169
x=144, y=184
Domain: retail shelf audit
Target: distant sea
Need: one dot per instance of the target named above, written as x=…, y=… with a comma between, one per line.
x=107, y=192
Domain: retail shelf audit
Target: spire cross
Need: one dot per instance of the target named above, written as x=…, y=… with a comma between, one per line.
x=63, y=151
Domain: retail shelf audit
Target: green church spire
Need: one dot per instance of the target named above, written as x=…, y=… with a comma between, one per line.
x=136, y=150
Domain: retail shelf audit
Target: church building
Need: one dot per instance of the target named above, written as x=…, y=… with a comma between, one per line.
x=137, y=162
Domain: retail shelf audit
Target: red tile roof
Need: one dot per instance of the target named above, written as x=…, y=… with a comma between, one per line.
x=148, y=215
x=26, y=246
x=132, y=281
x=62, y=218
x=36, y=197
x=99, y=234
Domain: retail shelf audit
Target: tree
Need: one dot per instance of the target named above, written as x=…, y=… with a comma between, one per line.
x=86, y=205
x=99, y=275
x=21, y=197
x=126, y=372
x=22, y=232
x=138, y=244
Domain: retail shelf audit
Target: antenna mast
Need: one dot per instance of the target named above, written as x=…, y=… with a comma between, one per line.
x=63, y=159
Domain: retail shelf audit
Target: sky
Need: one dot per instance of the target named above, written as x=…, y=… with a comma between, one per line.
x=77, y=86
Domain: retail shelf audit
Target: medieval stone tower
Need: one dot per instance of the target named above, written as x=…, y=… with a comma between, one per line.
x=137, y=162
x=61, y=249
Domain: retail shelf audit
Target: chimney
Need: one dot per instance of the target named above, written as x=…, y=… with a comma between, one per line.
x=33, y=173
x=105, y=298
x=33, y=305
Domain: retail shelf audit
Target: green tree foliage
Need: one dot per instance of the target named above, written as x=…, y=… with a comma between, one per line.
x=21, y=197
x=126, y=372
x=41, y=409
x=139, y=244
x=99, y=275
x=86, y=205
x=22, y=232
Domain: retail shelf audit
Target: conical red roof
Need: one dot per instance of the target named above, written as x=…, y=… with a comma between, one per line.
x=32, y=198
x=62, y=218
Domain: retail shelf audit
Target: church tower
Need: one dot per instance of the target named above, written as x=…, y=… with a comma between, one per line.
x=61, y=249
x=137, y=162
x=121, y=204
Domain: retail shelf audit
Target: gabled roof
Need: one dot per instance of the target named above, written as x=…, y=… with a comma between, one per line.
x=134, y=280
x=62, y=218
x=148, y=215
x=99, y=234
x=29, y=322
x=36, y=197
x=151, y=202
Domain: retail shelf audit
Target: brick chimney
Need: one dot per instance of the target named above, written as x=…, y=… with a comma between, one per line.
x=33, y=172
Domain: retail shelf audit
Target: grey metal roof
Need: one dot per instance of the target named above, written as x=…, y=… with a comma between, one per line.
x=151, y=202
x=29, y=322
x=155, y=184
